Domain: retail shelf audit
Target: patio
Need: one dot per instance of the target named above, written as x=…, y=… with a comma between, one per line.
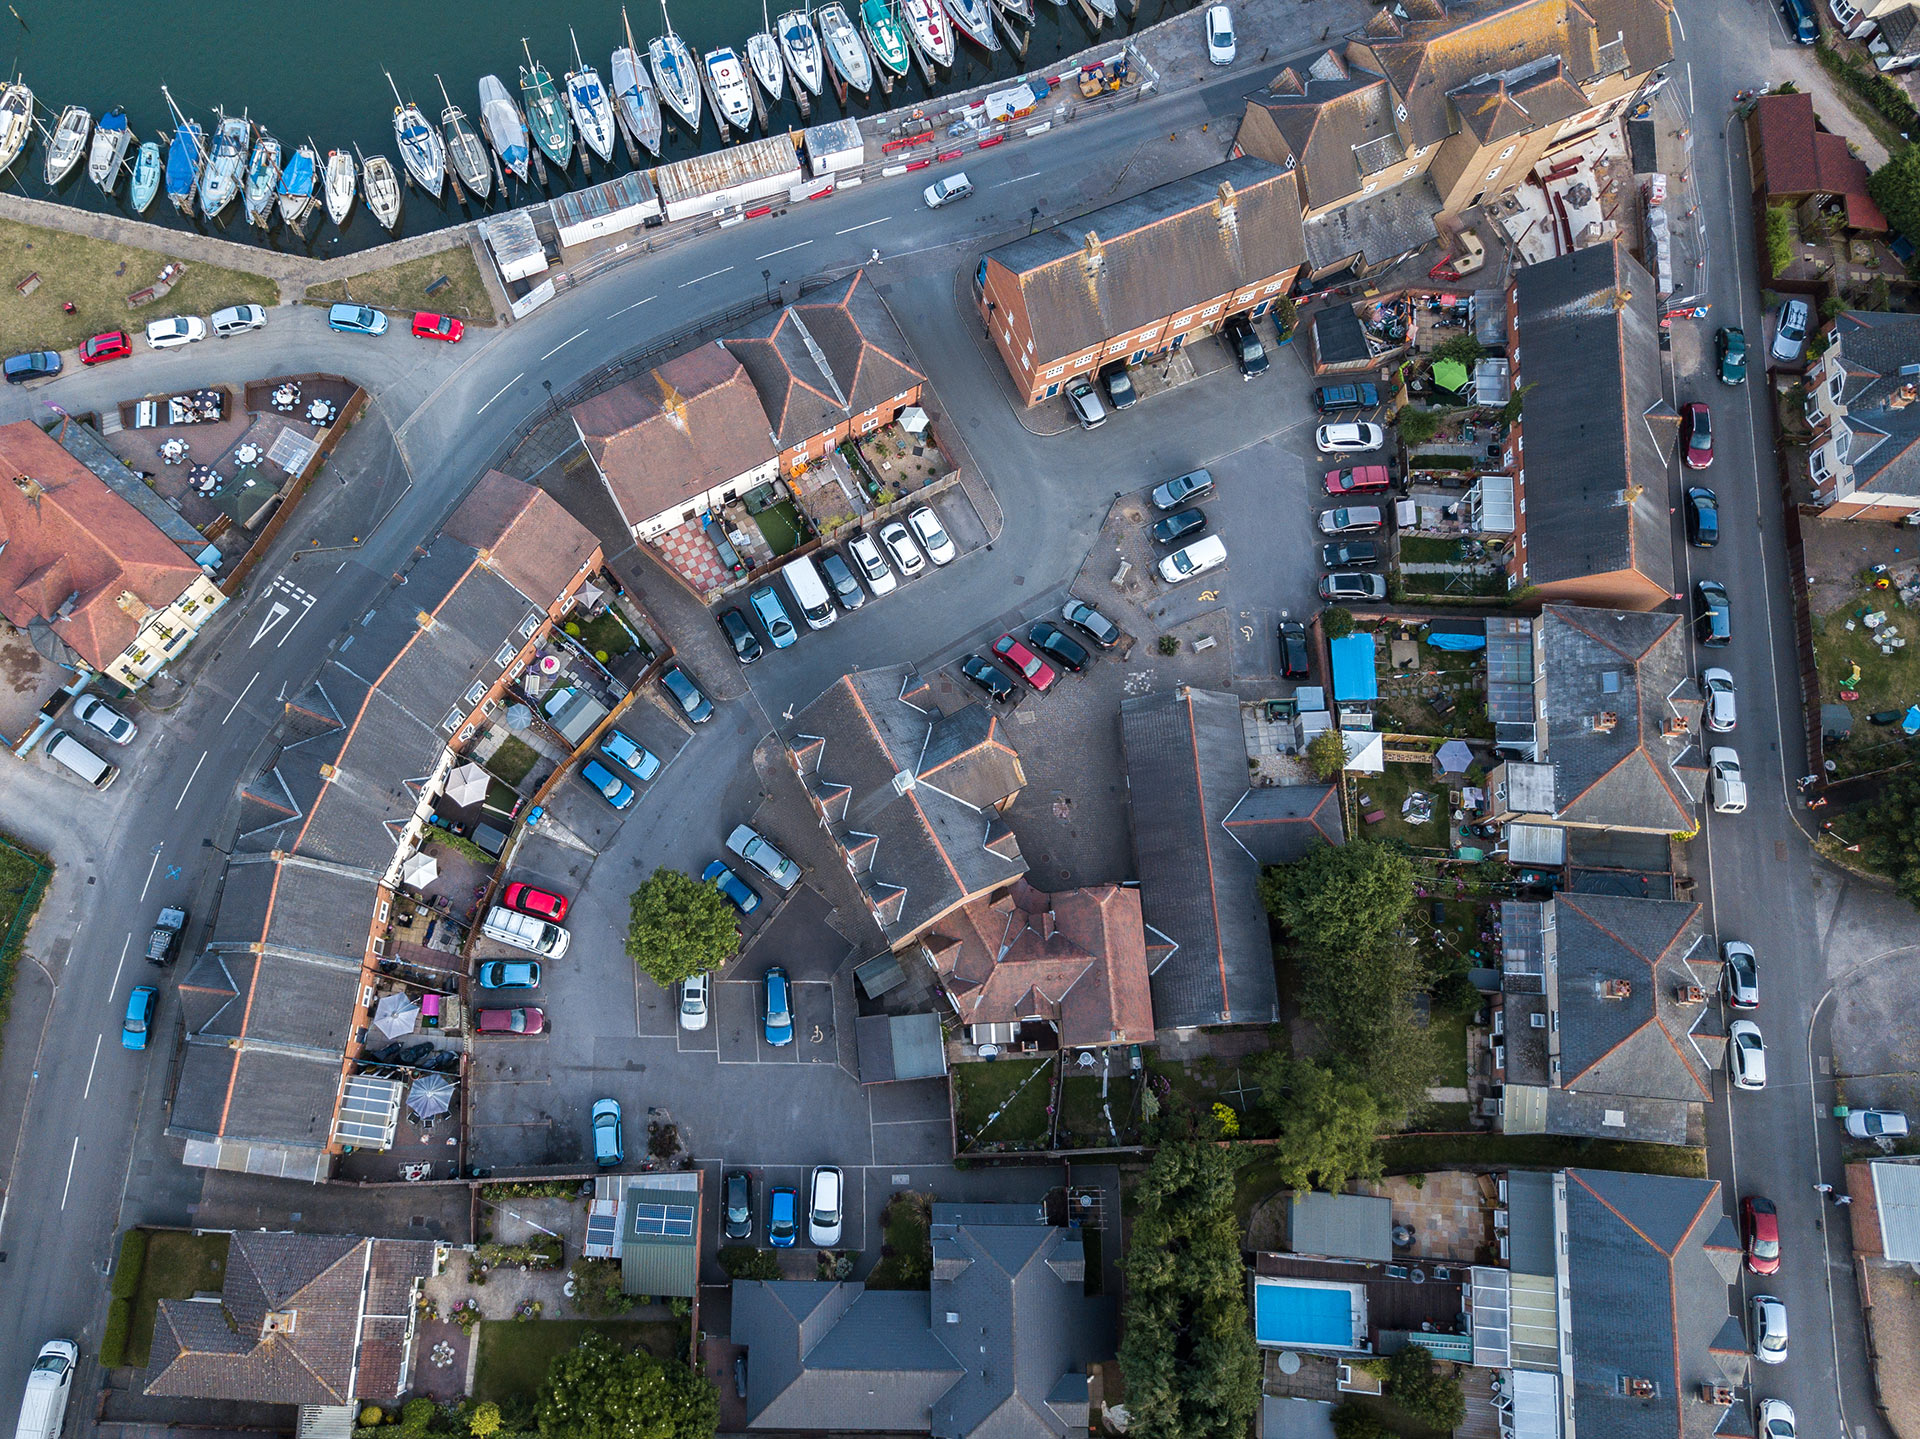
x=900, y=461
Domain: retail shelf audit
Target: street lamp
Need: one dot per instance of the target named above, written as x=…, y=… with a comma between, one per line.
x=766, y=279
x=1033, y=219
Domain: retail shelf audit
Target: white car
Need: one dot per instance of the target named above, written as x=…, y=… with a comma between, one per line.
x=1769, y=1329
x=179, y=330
x=752, y=846
x=825, y=1197
x=906, y=554
x=237, y=320
x=1220, y=47
x=1350, y=437
x=694, y=993
x=1876, y=1124
x=933, y=539
x=945, y=192
x=1720, y=715
x=96, y=713
x=866, y=554
x=1776, y=1420
x=1746, y=1055
x=1729, y=790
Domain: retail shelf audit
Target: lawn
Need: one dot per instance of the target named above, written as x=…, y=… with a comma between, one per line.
x=96, y=276
x=1428, y=550
x=514, y=1357
x=404, y=287
x=1886, y=681
x=1080, y=1110
x=178, y=1266
x=1455, y=584
x=1450, y=1042
x=1003, y=1101
x=906, y=1260
x=780, y=524
x=1386, y=790
x=514, y=760
x=604, y=636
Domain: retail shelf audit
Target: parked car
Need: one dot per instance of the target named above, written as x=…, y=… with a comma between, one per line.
x=1724, y=782
x=753, y=847
x=1053, y=642
x=510, y=974
x=901, y=548
x=1025, y=663
x=1696, y=431
x=1207, y=553
x=615, y=791
x=1344, y=585
x=926, y=528
x=1091, y=623
x=1790, y=331
x=1179, y=524
x=1760, y=1228
x=1703, y=517
x=783, y=1217
x=746, y=644
x=1800, y=22
x=1742, y=974
x=1118, y=380
x=846, y=589
x=826, y=1192
x=1357, y=478
x=623, y=749
x=1220, y=46
x=1776, y=1415
x=429, y=326
x=1248, y=353
x=1713, y=618
x=237, y=320
x=731, y=885
x=1295, y=661
x=1876, y=1124
x=946, y=190
x=138, y=1025
x=1338, y=399
x=607, y=1148
x=1719, y=714
x=866, y=554
x=990, y=678
x=1194, y=485
x=34, y=365
x=773, y=617
x=1746, y=1055
x=1352, y=519
x=1085, y=405
x=1353, y=555
x=356, y=319
x=680, y=685
x=1730, y=349
x=524, y=1020
x=1769, y=1329
x=695, y=992
x=778, y=1025
x=541, y=903
x=175, y=331
x=96, y=714
x=736, y=1204
x=1350, y=436
x=113, y=345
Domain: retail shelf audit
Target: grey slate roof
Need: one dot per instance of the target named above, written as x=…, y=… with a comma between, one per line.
x=1336, y=122
x=1208, y=939
x=1340, y=1226
x=1379, y=228
x=1277, y=824
x=1882, y=411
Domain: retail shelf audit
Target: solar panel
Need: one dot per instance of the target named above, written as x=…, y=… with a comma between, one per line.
x=601, y=1228
x=670, y=1220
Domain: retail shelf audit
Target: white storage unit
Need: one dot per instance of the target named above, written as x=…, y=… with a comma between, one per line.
x=514, y=245
x=834, y=146
x=758, y=170
x=622, y=203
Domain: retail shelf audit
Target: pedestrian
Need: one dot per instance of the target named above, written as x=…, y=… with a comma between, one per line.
x=874, y=259
x=1842, y=1199
x=1823, y=1189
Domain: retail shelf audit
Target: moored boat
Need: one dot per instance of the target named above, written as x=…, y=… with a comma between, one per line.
x=382, y=185
x=501, y=123
x=466, y=153
x=728, y=79
x=342, y=181
x=1018, y=9
x=674, y=72
x=546, y=116
x=589, y=104
x=800, y=43
x=633, y=98
x=297, y=185
x=885, y=35
x=763, y=58
x=16, y=121
x=148, y=169
x=108, y=157
x=930, y=30
x=186, y=158
x=263, y=173
x=68, y=144
x=843, y=47
x=422, y=150
x=226, y=164
x=974, y=19
x=1107, y=9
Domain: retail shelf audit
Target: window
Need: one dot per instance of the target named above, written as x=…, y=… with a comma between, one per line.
x=1136, y=357
x=505, y=657
x=466, y=733
x=1368, y=188
x=452, y=721
x=474, y=695
x=1835, y=386
x=1408, y=171
x=1820, y=470
x=1507, y=154
x=1521, y=441
x=530, y=623
x=1494, y=173
x=1400, y=113
x=1055, y=370
x=1052, y=390
x=174, y=640
x=687, y=516
x=1507, y=457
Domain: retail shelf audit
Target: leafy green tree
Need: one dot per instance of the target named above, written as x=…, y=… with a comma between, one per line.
x=679, y=927
x=416, y=1417
x=1464, y=348
x=1779, y=239
x=1329, y=1122
x=1888, y=832
x=1336, y=622
x=1895, y=188
x=1417, y=427
x=1340, y=898
x=1353, y=1421
x=1326, y=754
x=1431, y=1395
x=600, y=1392
x=484, y=1421
x=1191, y=1367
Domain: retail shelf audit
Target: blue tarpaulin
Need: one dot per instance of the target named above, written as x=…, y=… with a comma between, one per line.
x=1353, y=677
x=1457, y=642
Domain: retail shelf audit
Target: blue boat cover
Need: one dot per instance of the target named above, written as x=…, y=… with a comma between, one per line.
x=297, y=178
x=112, y=120
x=1458, y=642
x=183, y=160
x=1353, y=677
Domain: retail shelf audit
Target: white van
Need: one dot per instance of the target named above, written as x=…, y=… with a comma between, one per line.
x=525, y=931
x=68, y=751
x=803, y=578
x=1196, y=559
x=43, y=1412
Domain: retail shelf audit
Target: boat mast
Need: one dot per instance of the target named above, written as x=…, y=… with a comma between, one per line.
x=627, y=25
x=578, y=63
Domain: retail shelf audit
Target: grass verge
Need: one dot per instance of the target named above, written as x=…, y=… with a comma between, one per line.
x=404, y=287
x=514, y=1357
x=178, y=1266
x=24, y=877
x=96, y=276
x=1003, y=1102
x=1886, y=681
x=1857, y=88
x=603, y=634
x=906, y=1259
x=513, y=761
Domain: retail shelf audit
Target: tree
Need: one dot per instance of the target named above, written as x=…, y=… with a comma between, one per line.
x=1336, y=622
x=416, y=1416
x=1352, y=1421
x=1895, y=188
x=1417, y=427
x=1191, y=1367
x=599, y=1392
x=484, y=1421
x=680, y=927
x=1284, y=316
x=1431, y=1395
x=1326, y=754
x=747, y=1261
x=1888, y=832
x=1463, y=348
x=1779, y=239
x=1340, y=898
x=1329, y=1122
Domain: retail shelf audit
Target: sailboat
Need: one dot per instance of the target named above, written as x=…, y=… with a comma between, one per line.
x=16, y=121
x=111, y=141
x=763, y=57
x=68, y=144
x=546, y=116
x=148, y=169
x=226, y=165
x=263, y=173
x=975, y=18
x=382, y=184
x=342, y=181
x=465, y=150
x=422, y=150
x=500, y=122
x=885, y=34
x=800, y=43
x=1018, y=9
x=633, y=98
x=297, y=182
x=844, y=49
x=673, y=72
x=186, y=157
x=932, y=33
x=728, y=77
x=587, y=101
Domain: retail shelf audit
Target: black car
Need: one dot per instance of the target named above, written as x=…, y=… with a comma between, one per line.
x=1091, y=623
x=736, y=1204
x=1053, y=642
x=1120, y=390
x=1703, y=518
x=1248, y=352
x=1714, y=616
x=990, y=678
x=846, y=589
x=746, y=644
x=1170, y=529
x=1353, y=555
x=1294, y=663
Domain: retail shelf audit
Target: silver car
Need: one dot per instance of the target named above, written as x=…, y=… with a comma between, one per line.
x=1350, y=437
x=750, y=845
x=1717, y=686
x=238, y=320
x=179, y=330
x=1086, y=405
x=906, y=554
x=1769, y=1329
x=97, y=714
x=866, y=554
x=926, y=528
x=694, y=991
x=1790, y=331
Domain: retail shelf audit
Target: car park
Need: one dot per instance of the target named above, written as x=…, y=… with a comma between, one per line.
x=873, y=566
x=746, y=644
x=1746, y=1055
x=731, y=885
x=693, y=703
x=1204, y=554
x=1724, y=782
x=1025, y=663
x=1085, y=405
x=901, y=548
x=754, y=848
x=1703, y=517
x=1800, y=22
x=1053, y=642
x=1352, y=519
x=175, y=331
x=33, y=365
x=1776, y=1420
x=825, y=1195
x=1353, y=555
x=1220, y=45
x=783, y=1217
x=1248, y=353
x=113, y=345
x=773, y=617
x=1790, y=331
x=1350, y=437
x=97, y=715
x=1337, y=399
x=1741, y=971
x=1713, y=618
x=1760, y=1232
x=1696, y=433
x=524, y=1020
x=510, y=974
x=1356, y=478
x=926, y=528
x=1352, y=585
x=543, y=904
x=778, y=1015
x=1876, y=1124
x=237, y=320
x=614, y=790
x=1178, y=525
x=608, y=1149
x=1720, y=712
x=429, y=326
x=990, y=678
x=736, y=1204
x=695, y=996
x=137, y=1027
x=356, y=319
x=947, y=189
x=623, y=749
x=1295, y=661
x=846, y=589
x=1769, y=1329
x=1194, y=485
x=1118, y=380
x=1730, y=350
x=1091, y=623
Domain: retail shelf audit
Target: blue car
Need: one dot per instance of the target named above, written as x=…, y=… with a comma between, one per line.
x=779, y=1025
x=635, y=757
x=607, y=1148
x=356, y=319
x=616, y=792
x=510, y=974
x=773, y=616
x=680, y=685
x=783, y=1217
x=139, y=1021
x=744, y=899
x=34, y=365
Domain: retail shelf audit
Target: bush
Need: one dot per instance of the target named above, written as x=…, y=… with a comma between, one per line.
x=1326, y=754
x=113, y=1341
x=416, y=1417
x=743, y=1261
x=1870, y=85
x=1464, y=348
x=1428, y=1394
x=1417, y=427
x=1350, y=1421
x=1169, y=645
x=1337, y=623
x=133, y=1262
x=1779, y=238
x=484, y=1421
x=372, y=1417
x=596, y=1288
x=1285, y=316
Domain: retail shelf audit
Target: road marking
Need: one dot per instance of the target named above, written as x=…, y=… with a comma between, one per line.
x=96, y=1060
x=705, y=277
x=501, y=391
x=634, y=306
x=564, y=343
x=274, y=616
x=771, y=253
x=868, y=226
x=243, y=693
x=70, y=1158
x=190, y=778
x=113, y=988
x=151, y=868
x=1030, y=175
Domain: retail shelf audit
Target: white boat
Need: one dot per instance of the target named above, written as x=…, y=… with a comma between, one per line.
x=633, y=98
x=466, y=152
x=263, y=173
x=728, y=77
x=1107, y=8
x=763, y=58
x=931, y=31
x=674, y=72
x=16, y=122
x=1018, y=9
x=226, y=164
x=975, y=19
x=422, y=150
x=800, y=43
x=844, y=47
x=111, y=141
x=342, y=181
x=298, y=182
x=501, y=123
x=69, y=143
x=382, y=184
x=592, y=109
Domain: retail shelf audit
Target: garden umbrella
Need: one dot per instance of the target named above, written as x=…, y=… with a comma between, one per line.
x=419, y=870
x=467, y=785
x=1449, y=374
x=396, y=1015
x=429, y=1095
x=1454, y=757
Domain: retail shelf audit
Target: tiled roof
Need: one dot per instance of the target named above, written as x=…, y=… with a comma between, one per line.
x=1498, y=107
x=524, y=535
x=1335, y=122
x=1883, y=405
x=1277, y=824
x=1799, y=158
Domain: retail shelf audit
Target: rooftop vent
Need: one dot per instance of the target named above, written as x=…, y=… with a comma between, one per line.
x=903, y=781
x=1616, y=988
x=1606, y=722
x=279, y=1321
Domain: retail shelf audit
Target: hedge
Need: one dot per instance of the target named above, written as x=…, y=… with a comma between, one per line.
x=1779, y=239
x=133, y=1262
x=113, y=1343
x=1873, y=87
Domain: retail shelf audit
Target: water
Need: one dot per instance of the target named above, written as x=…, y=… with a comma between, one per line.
x=314, y=71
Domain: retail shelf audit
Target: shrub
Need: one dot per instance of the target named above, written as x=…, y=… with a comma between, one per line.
x=1226, y=1119
x=1337, y=623
x=1285, y=316
x=1430, y=1395
x=1350, y=1421
x=133, y=1262
x=1779, y=238
x=484, y=1421
x=1326, y=755
x=1417, y=427
x=1169, y=645
x=113, y=1340
x=742, y=1261
x=372, y=1417
x=1464, y=348
x=572, y=627
x=1870, y=85
x=416, y=1417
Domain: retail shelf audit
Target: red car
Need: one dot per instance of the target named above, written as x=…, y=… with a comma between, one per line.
x=1357, y=477
x=113, y=345
x=538, y=902
x=1697, y=430
x=438, y=327
x=1760, y=1225
x=512, y=1021
x=1030, y=667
